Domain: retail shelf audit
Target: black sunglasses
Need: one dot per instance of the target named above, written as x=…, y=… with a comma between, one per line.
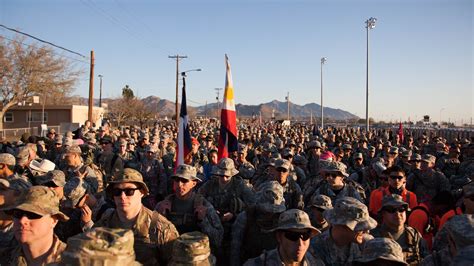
x=399, y=177
x=281, y=170
x=179, y=179
x=333, y=175
x=295, y=236
x=117, y=192
x=18, y=214
x=395, y=209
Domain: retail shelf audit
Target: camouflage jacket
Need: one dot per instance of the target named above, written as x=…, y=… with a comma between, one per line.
x=90, y=177
x=324, y=248
x=272, y=258
x=293, y=195
x=438, y=258
x=16, y=256
x=349, y=190
x=427, y=184
x=7, y=237
x=154, y=235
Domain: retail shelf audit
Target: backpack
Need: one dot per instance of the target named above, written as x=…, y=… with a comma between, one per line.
x=430, y=227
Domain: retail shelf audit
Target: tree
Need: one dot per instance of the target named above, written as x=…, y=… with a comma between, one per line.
x=141, y=113
x=127, y=93
x=29, y=70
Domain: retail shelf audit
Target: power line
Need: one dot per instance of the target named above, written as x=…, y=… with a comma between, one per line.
x=43, y=41
x=29, y=45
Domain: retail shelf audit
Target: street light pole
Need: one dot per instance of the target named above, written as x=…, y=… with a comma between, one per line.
x=323, y=60
x=370, y=24
x=177, y=57
x=217, y=100
x=100, y=91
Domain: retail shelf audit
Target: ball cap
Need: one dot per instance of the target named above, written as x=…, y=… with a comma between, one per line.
x=40, y=200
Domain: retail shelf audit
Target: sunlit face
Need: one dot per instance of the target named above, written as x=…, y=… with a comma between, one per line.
x=224, y=180
x=71, y=158
x=183, y=186
x=29, y=231
x=293, y=250
x=281, y=175
x=213, y=157
x=396, y=180
x=195, y=147
x=128, y=203
x=393, y=218
x=335, y=179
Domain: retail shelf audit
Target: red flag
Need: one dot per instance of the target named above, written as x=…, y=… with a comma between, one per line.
x=400, y=132
x=228, y=133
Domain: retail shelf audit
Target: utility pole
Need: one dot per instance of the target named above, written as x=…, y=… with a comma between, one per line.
x=217, y=100
x=177, y=57
x=205, y=110
x=288, y=103
x=91, y=87
x=100, y=92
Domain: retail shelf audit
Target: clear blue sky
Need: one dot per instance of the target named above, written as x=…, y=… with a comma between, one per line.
x=421, y=51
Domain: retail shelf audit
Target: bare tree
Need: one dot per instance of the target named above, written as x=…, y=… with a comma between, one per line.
x=29, y=70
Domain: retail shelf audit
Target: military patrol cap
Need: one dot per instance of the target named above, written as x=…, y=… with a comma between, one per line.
x=415, y=157
x=468, y=189
x=358, y=155
x=320, y=201
x=352, y=213
x=225, y=167
x=406, y=153
x=268, y=147
x=128, y=175
x=393, y=200
x=150, y=148
x=347, y=146
x=428, y=158
x=335, y=167
x=187, y=172
x=382, y=248
x=287, y=152
x=270, y=197
x=106, y=139
x=393, y=150
x=314, y=145
x=56, y=176
x=58, y=139
x=371, y=148
x=291, y=142
x=100, y=246
x=40, y=200
x=461, y=229
x=282, y=163
x=73, y=149
x=7, y=159
x=300, y=160
x=192, y=249
x=17, y=184
x=295, y=219
x=242, y=148
x=74, y=191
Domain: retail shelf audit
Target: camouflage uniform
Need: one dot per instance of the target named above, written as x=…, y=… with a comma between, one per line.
x=192, y=249
x=153, y=176
x=438, y=258
x=250, y=232
x=427, y=184
x=322, y=202
x=351, y=213
x=17, y=256
x=153, y=233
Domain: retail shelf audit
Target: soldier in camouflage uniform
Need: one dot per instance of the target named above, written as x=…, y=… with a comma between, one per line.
x=341, y=244
x=229, y=195
x=55, y=180
x=109, y=162
x=154, y=234
x=195, y=157
x=427, y=182
x=100, y=246
x=34, y=218
x=293, y=235
x=336, y=187
x=393, y=216
x=314, y=151
x=245, y=168
x=291, y=190
x=7, y=170
x=189, y=211
x=153, y=176
x=76, y=167
x=460, y=233
x=250, y=232
x=10, y=191
x=128, y=157
x=317, y=206
x=467, y=165
x=449, y=164
x=381, y=251
x=192, y=249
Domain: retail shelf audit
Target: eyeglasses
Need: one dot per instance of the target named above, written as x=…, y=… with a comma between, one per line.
x=395, y=209
x=179, y=179
x=295, y=236
x=128, y=192
x=332, y=175
x=398, y=177
x=18, y=214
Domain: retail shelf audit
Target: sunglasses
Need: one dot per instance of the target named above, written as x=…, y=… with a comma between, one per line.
x=395, y=209
x=295, y=236
x=282, y=170
x=333, y=175
x=399, y=177
x=128, y=192
x=182, y=180
x=18, y=214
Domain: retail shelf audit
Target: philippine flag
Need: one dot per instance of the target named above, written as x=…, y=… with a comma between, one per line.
x=184, y=136
x=228, y=132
